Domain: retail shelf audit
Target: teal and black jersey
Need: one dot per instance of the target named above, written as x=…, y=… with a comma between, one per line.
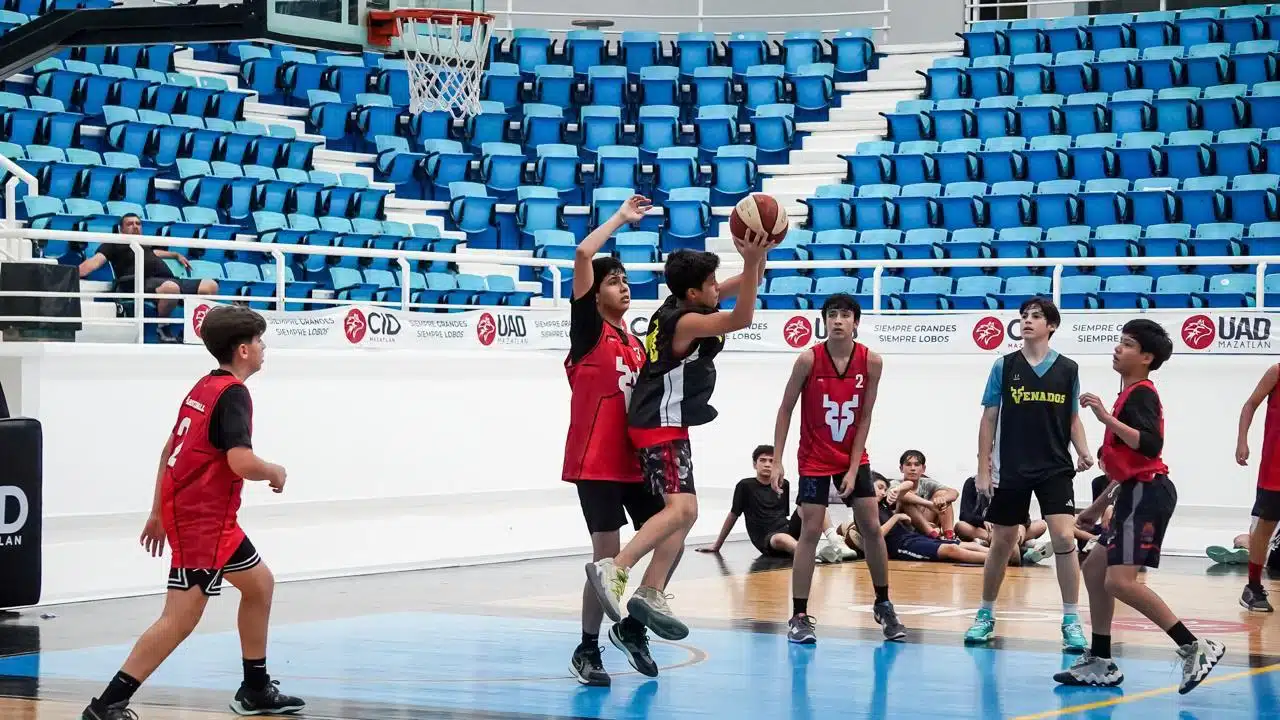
x=1037, y=405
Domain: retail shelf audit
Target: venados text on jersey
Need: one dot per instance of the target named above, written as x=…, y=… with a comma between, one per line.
x=1021, y=395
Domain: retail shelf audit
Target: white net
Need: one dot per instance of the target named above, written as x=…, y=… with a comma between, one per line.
x=446, y=58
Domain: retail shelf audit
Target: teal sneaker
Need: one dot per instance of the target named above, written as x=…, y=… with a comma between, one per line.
x=983, y=629
x=1073, y=639
x=1227, y=556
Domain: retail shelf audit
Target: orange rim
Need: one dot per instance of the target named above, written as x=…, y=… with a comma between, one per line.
x=382, y=25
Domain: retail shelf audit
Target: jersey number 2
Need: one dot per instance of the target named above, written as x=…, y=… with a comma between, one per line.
x=626, y=380
x=840, y=416
x=182, y=430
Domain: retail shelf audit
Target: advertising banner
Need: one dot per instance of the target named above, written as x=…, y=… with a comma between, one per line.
x=1210, y=332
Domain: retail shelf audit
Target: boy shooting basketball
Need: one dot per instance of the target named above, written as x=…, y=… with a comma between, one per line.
x=203, y=466
x=672, y=394
x=1029, y=423
x=1144, y=500
x=836, y=384
x=1266, y=506
x=603, y=362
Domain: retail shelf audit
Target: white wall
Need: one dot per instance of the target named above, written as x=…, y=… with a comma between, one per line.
x=357, y=425
x=376, y=442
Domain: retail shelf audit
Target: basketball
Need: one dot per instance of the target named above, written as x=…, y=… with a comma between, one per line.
x=761, y=213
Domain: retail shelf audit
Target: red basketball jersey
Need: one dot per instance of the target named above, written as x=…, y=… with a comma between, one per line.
x=1268, y=472
x=200, y=494
x=597, y=447
x=830, y=409
x=1123, y=463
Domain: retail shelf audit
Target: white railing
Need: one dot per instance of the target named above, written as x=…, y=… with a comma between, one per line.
x=556, y=268
x=973, y=9
x=696, y=20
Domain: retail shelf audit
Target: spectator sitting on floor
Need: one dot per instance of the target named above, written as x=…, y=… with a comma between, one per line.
x=928, y=503
x=904, y=543
x=768, y=526
x=1238, y=553
x=157, y=277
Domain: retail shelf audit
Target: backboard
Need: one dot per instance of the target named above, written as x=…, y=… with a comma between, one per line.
x=340, y=24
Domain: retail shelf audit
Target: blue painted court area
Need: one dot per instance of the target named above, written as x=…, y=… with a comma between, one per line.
x=519, y=665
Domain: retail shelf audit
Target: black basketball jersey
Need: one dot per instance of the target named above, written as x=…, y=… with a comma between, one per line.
x=1033, y=435
x=675, y=391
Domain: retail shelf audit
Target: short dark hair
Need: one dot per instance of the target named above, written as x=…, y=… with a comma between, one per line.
x=911, y=454
x=228, y=327
x=842, y=301
x=1047, y=308
x=126, y=216
x=602, y=268
x=688, y=269
x=761, y=450
x=877, y=477
x=1151, y=338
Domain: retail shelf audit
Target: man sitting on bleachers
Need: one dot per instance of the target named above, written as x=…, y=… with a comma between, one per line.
x=158, y=278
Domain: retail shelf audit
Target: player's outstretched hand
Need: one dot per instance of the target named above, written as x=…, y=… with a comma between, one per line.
x=633, y=210
x=1242, y=454
x=1094, y=403
x=709, y=549
x=276, y=478
x=754, y=246
x=152, y=538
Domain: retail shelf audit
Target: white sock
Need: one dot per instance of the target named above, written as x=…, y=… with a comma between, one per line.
x=1070, y=609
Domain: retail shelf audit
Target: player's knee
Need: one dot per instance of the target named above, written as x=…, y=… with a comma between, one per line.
x=1115, y=585
x=1064, y=545
x=685, y=508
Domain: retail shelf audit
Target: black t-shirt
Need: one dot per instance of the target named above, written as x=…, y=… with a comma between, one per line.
x=1141, y=411
x=585, y=326
x=898, y=532
x=765, y=510
x=121, y=259
x=230, y=424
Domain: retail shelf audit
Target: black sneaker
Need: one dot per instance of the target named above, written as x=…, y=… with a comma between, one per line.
x=1254, y=599
x=119, y=711
x=587, y=668
x=267, y=701
x=884, y=614
x=635, y=645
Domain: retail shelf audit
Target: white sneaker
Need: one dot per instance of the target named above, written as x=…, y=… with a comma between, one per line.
x=826, y=552
x=1037, y=550
x=610, y=582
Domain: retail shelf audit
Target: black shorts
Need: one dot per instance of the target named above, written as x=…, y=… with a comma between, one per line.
x=1266, y=506
x=1142, y=513
x=914, y=546
x=816, y=489
x=210, y=580
x=606, y=504
x=1011, y=506
x=186, y=286
x=792, y=528
x=668, y=467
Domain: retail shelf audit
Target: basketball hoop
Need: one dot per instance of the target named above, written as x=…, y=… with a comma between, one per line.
x=445, y=52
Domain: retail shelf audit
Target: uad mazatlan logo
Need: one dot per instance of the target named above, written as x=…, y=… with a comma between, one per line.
x=504, y=329
x=354, y=326
x=197, y=318
x=988, y=333
x=798, y=331
x=1230, y=332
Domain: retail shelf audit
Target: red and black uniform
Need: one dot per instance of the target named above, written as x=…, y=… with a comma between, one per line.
x=830, y=411
x=599, y=459
x=200, y=493
x=1267, y=504
x=1146, y=498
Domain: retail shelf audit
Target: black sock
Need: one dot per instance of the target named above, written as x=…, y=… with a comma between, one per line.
x=799, y=606
x=120, y=689
x=631, y=624
x=1181, y=634
x=255, y=674
x=590, y=639
x=1101, y=647
x=882, y=593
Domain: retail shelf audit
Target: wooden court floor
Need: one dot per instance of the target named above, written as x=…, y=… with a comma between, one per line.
x=494, y=642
